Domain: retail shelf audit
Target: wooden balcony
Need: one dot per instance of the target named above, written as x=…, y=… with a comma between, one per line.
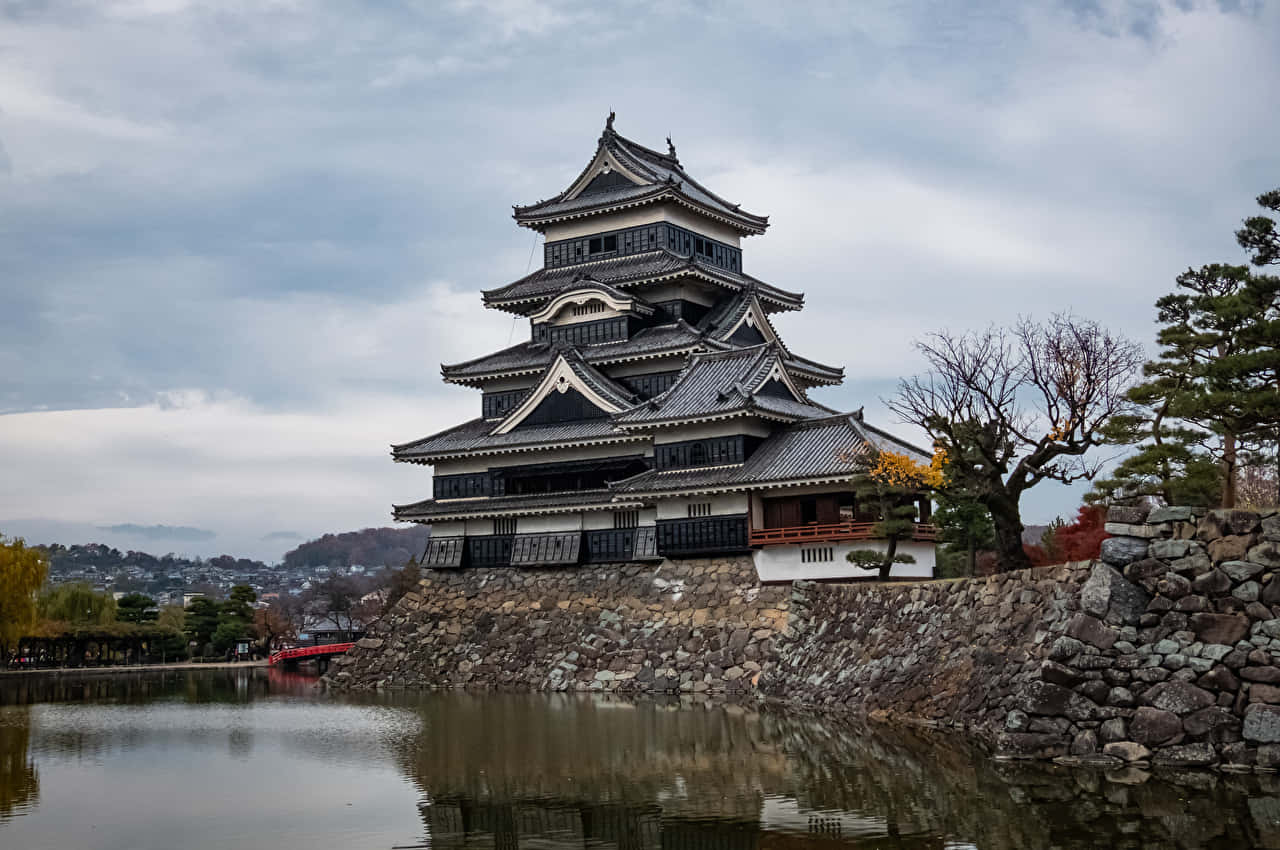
x=832, y=532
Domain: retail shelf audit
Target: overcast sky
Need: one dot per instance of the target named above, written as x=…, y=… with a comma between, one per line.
x=238, y=239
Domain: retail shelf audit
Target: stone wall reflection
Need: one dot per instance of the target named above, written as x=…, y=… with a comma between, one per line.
x=508, y=772
x=19, y=779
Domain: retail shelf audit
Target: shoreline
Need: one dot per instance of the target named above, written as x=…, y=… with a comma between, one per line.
x=133, y=668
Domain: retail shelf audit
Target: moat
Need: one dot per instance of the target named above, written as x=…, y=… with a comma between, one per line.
x=251, y=758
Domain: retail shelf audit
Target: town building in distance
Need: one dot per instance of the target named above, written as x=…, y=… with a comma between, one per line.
x=654, y=412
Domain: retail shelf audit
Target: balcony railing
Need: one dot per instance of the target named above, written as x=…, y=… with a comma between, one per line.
x=833, y=531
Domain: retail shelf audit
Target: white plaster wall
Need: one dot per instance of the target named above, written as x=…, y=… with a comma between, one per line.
x=644, y=215
x=782, y=563
x=565, y=315
x=551, y=522
x=690, y=220
x=677, y=507
x=600, y=520
x=453, y=528
x=600, y=223
x=461, y=466
x=478, y=526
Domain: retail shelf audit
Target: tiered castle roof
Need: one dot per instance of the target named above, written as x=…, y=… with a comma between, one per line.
x=711, y=340
x=634, y=176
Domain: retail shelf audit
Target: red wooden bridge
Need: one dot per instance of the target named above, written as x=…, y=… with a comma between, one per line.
x=302, y=653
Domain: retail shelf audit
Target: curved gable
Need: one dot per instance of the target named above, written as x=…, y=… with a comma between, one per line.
x=569, y=391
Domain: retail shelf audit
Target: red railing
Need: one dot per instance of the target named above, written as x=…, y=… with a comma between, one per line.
x=309, y=652
x=832, y=531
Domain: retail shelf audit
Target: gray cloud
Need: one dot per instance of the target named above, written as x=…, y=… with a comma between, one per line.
x=161, y=532
x=277, y=216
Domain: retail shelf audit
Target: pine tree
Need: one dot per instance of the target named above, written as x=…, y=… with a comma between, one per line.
x=1211, y=401
x=964, y=526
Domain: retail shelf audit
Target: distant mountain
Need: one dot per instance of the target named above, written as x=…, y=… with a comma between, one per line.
x=371, y=547
x=107, y=560
x=1032, y=534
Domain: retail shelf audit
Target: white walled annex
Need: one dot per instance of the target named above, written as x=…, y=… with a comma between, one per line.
x=783, y=563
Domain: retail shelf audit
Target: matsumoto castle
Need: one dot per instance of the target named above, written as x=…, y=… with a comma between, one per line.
x=654, y=412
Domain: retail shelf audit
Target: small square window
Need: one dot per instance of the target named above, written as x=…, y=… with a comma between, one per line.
x=593, y=247
x=611, y=243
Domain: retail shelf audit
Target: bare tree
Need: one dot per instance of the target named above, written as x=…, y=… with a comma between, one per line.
x=1014, y=407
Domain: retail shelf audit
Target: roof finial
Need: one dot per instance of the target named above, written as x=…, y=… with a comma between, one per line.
x=608, y=122
x=671, y=148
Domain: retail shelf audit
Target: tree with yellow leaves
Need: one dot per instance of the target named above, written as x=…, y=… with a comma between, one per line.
x=894, y=480
x=22, y=572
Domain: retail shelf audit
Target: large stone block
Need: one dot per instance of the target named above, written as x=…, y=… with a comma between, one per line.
x=1220, y=628
x=1171, y=514
x=1212, y=583
x=1266, y=553
x=1109, y=596
x=1091, y=630
x=1262, y=723
x=1039, y=745
x=1233, y=547
x=1179, y=697
x=1119, y=551
x=1129, y=751
x=1186, y=755
x=1155, y=727
x=1124, y=529
x=1050, y=700
x=1126, y=514
x=1170, y=550
x=1240, y=570
x=1212, y=526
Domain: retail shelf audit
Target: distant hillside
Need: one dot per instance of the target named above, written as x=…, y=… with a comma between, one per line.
x=371, y=547
x=107, y=560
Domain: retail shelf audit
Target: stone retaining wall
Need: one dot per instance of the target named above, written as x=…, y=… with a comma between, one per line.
x=697, y=626
x=1167, y=650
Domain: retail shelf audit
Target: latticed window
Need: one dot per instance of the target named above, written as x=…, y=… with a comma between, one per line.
x=697, y=509
x=626, y=519
x=504, y=525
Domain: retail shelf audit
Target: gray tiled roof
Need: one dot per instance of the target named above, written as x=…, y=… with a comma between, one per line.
x=673, y=337
x=815, y=448
x=430, y=509
x=477, y=436
x=623, y=272
x=664, y=176
x=720, y=321
x=470, y=437
x=602, y=384
x=719, y=384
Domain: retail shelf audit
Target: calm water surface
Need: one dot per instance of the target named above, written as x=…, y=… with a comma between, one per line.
x=247, y=759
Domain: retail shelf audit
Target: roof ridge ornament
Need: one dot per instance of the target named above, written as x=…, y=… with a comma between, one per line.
x=671, y=150
x=608, y=122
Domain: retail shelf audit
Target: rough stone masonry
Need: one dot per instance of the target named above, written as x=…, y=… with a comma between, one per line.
x=694, y=626
x=1165, y=651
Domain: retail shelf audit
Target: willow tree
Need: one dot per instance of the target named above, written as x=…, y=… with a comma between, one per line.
x=1014, y=407
x=22, y=572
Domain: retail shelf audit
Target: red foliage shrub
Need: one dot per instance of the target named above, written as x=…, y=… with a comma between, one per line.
x=1080, y=540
